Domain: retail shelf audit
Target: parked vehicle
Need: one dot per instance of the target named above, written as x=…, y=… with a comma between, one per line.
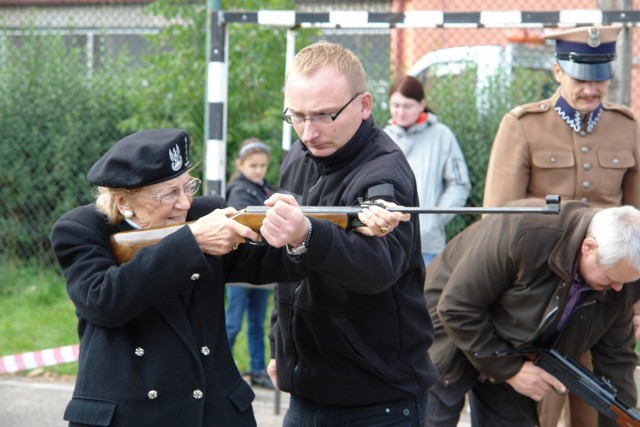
x=526, y=68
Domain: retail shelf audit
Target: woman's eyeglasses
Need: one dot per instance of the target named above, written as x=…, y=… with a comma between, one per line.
x=171, y=195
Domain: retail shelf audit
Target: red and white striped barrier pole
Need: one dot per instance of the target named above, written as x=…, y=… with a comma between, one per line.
x=38, y=359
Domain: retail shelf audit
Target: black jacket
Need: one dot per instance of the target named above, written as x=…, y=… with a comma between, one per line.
x=153, y=345
x=242, y=193
x=356, y=332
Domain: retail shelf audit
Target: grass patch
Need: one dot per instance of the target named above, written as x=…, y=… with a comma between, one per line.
x=37, y=314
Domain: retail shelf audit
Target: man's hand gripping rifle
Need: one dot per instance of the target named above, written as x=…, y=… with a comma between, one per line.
x=597, y=392
x=126, y=244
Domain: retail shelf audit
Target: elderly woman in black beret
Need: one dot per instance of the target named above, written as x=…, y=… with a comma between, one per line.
x=153, y=345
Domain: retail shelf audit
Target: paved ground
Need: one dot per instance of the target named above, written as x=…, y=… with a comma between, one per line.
x=40, y=401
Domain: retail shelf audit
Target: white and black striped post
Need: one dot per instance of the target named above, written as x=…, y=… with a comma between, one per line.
x=215, y=133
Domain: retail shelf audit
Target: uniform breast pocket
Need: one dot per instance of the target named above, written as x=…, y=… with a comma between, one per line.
x=552, y=172
x=614, y=164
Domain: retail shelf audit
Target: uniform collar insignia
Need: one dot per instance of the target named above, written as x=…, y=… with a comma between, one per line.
x=574, y=119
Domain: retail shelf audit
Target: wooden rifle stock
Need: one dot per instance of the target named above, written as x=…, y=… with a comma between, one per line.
x=126, y=244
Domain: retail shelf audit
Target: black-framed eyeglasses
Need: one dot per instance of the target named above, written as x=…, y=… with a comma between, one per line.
x=320, y=119
x=171, y=195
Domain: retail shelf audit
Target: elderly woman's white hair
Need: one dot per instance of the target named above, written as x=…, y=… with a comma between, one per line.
x=106, y=204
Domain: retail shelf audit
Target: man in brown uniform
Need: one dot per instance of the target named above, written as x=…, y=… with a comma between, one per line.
x=574, y=144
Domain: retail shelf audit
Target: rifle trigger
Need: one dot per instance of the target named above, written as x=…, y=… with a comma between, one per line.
x=251, y=242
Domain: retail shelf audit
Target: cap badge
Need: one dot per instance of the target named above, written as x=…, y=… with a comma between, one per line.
x=176, y=158
x=594, y=37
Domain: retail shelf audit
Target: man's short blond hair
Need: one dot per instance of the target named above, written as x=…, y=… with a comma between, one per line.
x=323, y=53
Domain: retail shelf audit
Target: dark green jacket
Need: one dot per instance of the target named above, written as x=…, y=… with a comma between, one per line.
x=499, y=285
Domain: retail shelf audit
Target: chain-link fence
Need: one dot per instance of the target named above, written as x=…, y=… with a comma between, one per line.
x=78, y=76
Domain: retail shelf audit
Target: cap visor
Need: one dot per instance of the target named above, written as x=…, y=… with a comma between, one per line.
x=588, y=72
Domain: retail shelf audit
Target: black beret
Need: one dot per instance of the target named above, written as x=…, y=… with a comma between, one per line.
x=143, y=158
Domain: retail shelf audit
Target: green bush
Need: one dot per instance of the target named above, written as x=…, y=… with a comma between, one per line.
x=474, y=115
x=57, y=116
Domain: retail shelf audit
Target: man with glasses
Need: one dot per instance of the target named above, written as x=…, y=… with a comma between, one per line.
x=349, y=342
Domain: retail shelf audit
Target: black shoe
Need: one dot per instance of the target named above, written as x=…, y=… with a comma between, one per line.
x=261, y=379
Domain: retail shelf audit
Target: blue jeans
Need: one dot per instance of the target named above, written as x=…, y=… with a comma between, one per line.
x=401, y=413
x=254, y=302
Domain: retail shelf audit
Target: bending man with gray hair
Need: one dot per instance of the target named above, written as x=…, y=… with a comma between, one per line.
x=521, y=281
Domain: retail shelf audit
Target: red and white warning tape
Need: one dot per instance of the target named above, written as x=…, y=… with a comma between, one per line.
x=38, y=359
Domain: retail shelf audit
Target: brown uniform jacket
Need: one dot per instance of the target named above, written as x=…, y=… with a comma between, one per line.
x=499, y=285
x=536, y=153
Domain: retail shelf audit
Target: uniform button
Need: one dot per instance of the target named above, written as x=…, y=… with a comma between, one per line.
x=586, y=184
x=152, y=394
x=406, y=412
x=586, y=166
x=582, y=133
x=553, y=159
x=197, y=394
x=616, y=161
x=544, y=107
x=139, y=351
x=584, y=200
x=205, y=350
x=584, y=149
x=195, y=276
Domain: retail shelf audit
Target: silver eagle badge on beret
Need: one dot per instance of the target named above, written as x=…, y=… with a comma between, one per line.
x=176, y=158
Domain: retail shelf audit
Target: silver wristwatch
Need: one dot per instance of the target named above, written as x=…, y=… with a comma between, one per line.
x=302, y=249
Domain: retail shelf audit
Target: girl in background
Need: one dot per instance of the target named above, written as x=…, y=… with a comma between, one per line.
x=248, y=187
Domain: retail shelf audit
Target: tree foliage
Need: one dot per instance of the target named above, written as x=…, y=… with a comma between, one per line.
x=53, y=118
x=173, y=77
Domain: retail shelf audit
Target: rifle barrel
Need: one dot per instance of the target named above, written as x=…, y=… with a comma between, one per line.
x=553, y=207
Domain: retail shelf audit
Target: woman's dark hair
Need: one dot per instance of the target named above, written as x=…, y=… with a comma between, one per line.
x=410, y=87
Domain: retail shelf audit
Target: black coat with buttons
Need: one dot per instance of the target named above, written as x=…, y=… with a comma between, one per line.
x=153, y=345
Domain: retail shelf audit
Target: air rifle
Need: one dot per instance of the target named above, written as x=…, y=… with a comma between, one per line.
x=126, y=244
x=597, y=392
